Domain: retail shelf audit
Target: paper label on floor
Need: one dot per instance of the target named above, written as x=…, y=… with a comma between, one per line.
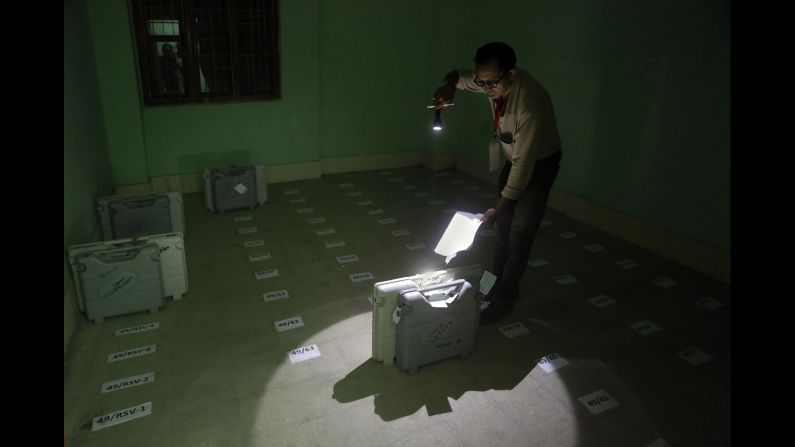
x=130, y=353
x=291, y=192
x=415, y=246
x=395, y=180
x=626, y=264
x=325, y=231
x=335, y=243
x=276, y=295
x=355, y=194
x=256, y=243
x=456, y=182
x=243, y=218
x=709, y=303
x=487, y=282
x=401, y=232
x=659, y=442
x=601, y=301
x=375, y=211
x=358, y=277
x=409, y=187
x=385, y=173
x=435, y=202
x=443, y=174
x=241, y=188
x=565, y=279
x=644, y=327
x=421, y=194
x=513, y=330
x=694, y=356
x=346, y=259
x=598, y=401
x=552, y=362
x=127, y=382
x=304, y=353
x=365, y=203
x=139, y=328
x=664, y=282
x=567, y=235
x=346, y=185
x=266, y=274
x=248, y=230
x=316, y=220
x=301, y=200
x=537, y=262
x=387, y=221
x=472, y=188
x=593, y=248
x=259, y=257
x=305, y=210
x=288, y=323
x=121, y=416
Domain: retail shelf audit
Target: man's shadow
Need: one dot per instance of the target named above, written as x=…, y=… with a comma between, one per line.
x=495, y=363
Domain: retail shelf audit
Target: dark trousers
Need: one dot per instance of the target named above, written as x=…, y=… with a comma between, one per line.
x=517, y=229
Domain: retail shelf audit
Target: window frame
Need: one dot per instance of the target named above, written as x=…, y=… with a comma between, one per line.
x=193, y=94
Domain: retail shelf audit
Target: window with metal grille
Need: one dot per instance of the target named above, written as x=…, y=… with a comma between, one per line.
x=207, y=50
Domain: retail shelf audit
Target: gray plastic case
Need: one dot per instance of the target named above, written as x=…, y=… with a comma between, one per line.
x=436, y=323
x=235, y=187
x=121, y=281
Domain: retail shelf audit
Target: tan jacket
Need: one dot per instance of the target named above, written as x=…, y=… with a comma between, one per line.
x=528, y=131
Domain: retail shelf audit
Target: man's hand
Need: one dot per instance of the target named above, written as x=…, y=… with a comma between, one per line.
x=488, y=217
x=446, y=93
x=493, y=214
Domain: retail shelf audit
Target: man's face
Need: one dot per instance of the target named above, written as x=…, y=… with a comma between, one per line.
x=491, y=72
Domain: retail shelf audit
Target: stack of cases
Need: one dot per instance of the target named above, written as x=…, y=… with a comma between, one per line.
x=128, y=216
x=172, y=262
x=235, y=187
x=436, y=323
x=118, y=280
x=385, y=299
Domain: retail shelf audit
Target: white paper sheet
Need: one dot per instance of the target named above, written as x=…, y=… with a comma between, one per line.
x=459, y=234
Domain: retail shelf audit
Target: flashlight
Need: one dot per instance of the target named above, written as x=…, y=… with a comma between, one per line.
x=437, y=120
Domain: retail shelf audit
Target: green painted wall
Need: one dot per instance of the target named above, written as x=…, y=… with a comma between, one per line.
x=641, y=91
x=373, y=77
x=189, y=138
x=642, y=96
x=86, y=164
x=118, y=87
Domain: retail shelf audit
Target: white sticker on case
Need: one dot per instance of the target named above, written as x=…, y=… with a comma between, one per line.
x=241, y=188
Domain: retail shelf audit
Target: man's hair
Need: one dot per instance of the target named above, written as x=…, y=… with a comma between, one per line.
x=500, y=52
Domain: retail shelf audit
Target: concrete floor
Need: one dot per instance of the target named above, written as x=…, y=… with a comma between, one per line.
x=223, y=376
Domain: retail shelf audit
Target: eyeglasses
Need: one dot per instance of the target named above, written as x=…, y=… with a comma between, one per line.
x=490, y=84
